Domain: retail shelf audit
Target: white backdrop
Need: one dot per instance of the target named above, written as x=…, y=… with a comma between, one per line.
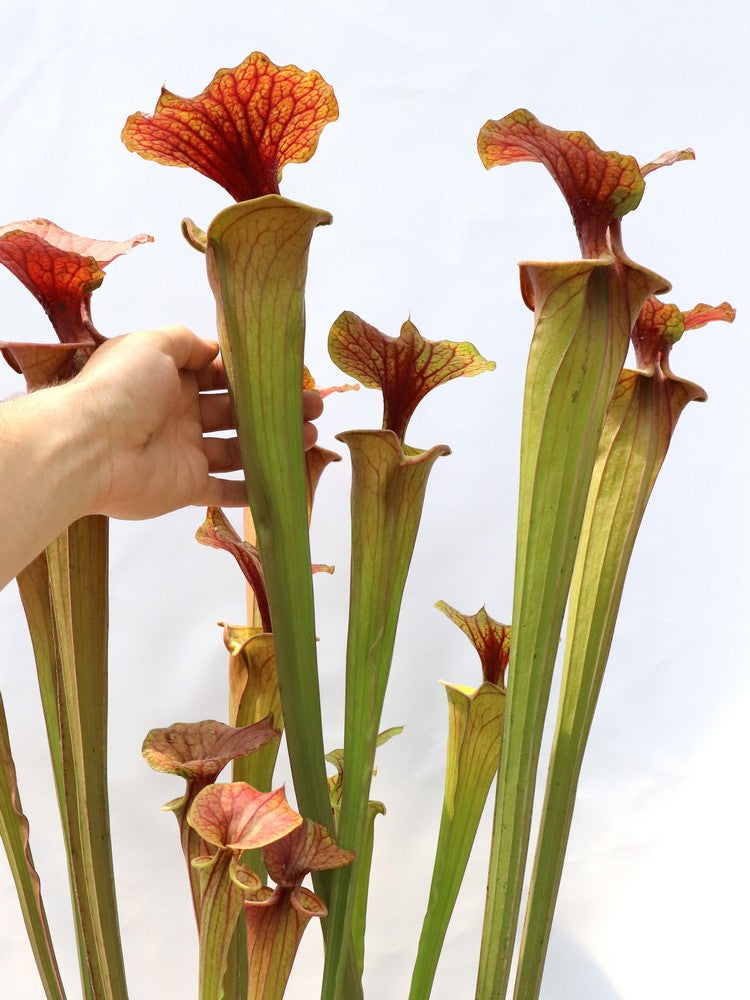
x=653, y=902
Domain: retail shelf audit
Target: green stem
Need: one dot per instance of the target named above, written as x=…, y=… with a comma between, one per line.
x=584, y=312
x=362, y=888
x=235, y=976
x=33, y=586
x=387, y=497
x=256, y=256
x=633, y=445
x=65, y=599
x=474, y=739
x=257, y=264
x=78, y=569
x=221, y=905
x=14, y=833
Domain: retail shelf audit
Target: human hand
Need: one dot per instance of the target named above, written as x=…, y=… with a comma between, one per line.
x=153, y=397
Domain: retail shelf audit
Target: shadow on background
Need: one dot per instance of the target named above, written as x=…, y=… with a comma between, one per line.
x=572, y=974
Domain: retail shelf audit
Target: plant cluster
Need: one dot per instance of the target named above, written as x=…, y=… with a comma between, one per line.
x=594, y=437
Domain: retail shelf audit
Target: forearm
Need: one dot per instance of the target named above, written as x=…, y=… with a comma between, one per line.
x=49, y=460
x=129, y=437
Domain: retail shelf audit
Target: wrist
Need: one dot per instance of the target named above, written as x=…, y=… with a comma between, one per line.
x=51, y=467
x=63, y=454
x=81, y=447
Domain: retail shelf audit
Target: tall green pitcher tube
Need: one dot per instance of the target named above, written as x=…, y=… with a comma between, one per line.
x=583, y=313
x=256, y=255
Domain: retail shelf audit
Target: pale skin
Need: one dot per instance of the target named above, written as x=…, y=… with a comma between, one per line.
x=129, y=437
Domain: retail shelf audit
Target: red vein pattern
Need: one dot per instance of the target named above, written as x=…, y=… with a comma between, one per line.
x=661, y=324
x=489, y=638
x=201, y=750
x=61, y=270
x=599, y=186
x=217, y=533
x=242, y=129
x=405, y=368
x=239, y=817
x=310, y=847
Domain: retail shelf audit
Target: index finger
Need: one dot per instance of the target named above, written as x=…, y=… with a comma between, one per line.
x=188, y=351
